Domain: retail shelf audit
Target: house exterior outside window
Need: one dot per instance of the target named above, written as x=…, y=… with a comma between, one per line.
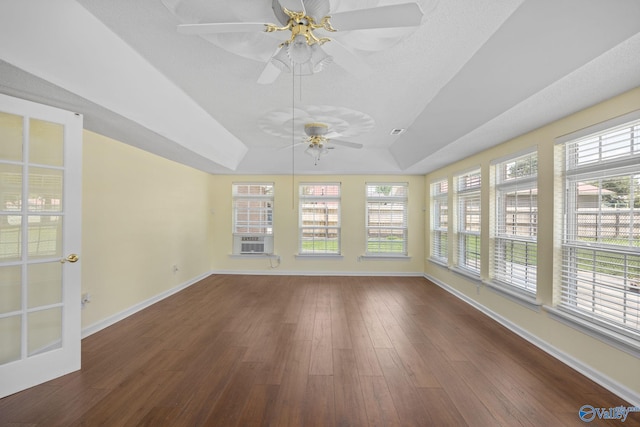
x=468, y=212
x=252, y=218
x=386, y=218
x=600, y=272
x=515, y=223
x=319, y=219
x=440, y=221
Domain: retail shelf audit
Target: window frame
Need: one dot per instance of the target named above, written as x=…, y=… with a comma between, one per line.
x=401, y=200
x=326, y=200
x=468, y=187
x=260, y=204
x=614, y=279
x=520, y=279
x=266, y=225
x=439, y=233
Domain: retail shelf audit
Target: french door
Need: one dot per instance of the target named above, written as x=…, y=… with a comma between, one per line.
x=40, y=224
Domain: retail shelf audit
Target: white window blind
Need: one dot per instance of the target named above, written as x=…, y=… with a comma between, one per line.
x=319, y=219
x=439, y=220
x=468, y=224
x=253, y=208
x=386, y=212
x=515, y=228
x=601, y=235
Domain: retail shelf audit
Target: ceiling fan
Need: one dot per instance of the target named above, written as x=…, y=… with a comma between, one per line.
x=303, y=52
x=318, y=136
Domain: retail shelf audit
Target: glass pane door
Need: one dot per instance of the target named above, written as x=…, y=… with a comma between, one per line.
x=39, y=225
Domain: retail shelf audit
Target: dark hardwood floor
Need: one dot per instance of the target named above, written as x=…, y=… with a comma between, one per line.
x=311, y=351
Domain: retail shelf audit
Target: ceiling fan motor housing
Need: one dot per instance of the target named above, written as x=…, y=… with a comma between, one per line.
x=316, y=129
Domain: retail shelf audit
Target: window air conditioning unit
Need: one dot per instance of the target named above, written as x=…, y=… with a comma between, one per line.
x=252, y=244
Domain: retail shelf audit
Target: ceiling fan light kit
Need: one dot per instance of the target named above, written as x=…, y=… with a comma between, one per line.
x=302, y=52
x=316, y=150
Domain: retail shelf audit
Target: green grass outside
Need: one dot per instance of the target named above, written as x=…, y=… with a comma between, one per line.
x=331, y=246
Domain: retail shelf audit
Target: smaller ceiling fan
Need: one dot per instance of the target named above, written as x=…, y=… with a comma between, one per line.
x=318, y=136
x=322, y=125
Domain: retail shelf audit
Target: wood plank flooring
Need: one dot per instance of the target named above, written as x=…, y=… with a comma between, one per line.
x=236, y=350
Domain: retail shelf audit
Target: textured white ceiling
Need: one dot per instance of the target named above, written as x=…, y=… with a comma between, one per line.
x=473, y=75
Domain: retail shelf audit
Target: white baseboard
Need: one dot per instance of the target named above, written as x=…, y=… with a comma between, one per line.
x=277, y=272
x=98, y=326
x=613, y=386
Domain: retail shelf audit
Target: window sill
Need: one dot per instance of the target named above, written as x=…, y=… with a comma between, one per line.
x=615, y=339
x=383, y=257
x=439, y=262
x=516, y=295
x=319, y=256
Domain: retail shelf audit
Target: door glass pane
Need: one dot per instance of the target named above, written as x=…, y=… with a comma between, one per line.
x=10, y=295
x=45, y=190
x=44, y=284
x=10, y=238
x=10, y=337
x=11, y=136
x=11, y=184
x=44, y=330
x=45, y=143
x=45, y=236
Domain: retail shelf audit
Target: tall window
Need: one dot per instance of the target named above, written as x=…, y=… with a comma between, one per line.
x=515, y=222
x=468, y=230
x=387, y=219
x=252, y=217
x=601, y=238
x=439, y=220
x=319, y=219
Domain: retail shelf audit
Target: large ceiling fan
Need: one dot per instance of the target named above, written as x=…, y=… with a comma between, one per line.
x=304, y=51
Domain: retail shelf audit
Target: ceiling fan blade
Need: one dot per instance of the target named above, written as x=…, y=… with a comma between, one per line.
x=292, y=5
x=222, y=27
x=347, y=59
x=279, y=13
x=393, y=16
x=317, y=9
x=345, y=143
x=289, y=146
x=269, y=74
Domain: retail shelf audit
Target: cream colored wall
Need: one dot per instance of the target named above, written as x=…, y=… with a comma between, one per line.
x=615, y=364
x=285, y=225
x=142, y=215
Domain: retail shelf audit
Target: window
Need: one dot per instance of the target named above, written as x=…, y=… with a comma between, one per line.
x=387, y=219
x=252, y=218
x=439, y=220
x=468, y=230
x=319, y=219
x=515, y=222
x=601, y=233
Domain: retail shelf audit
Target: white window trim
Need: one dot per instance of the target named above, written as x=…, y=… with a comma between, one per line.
x=598, y=127
x=444, y=199
x=390, y=199
x=304, y=198
x=528, y=297
x=253, y=197
x=596, y=327
x=461, y=195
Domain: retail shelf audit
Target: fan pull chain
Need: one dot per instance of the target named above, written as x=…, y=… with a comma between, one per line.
x=293, y=137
